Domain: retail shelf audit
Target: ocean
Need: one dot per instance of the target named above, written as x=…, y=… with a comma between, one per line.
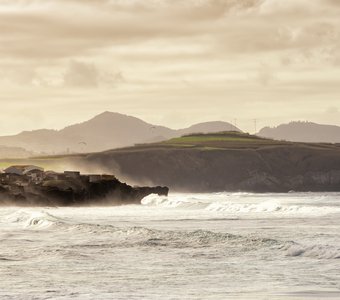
x=185, y=246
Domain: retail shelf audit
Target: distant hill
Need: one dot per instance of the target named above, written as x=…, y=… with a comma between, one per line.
x=14, y=152
x=303, y=132
x=207, y=127
x=105, y=131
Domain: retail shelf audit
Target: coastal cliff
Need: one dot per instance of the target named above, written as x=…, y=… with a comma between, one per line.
x=228, y=162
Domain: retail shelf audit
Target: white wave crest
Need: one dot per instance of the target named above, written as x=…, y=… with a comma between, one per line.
x=239, y=203
x=173, y=201
x=42, y=220
x=33, y=219
x=146, y=237
x=272, y=207
x=314, y=251
x=18, y=216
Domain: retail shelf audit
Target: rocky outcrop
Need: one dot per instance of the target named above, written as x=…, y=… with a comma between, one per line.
x=70, y=189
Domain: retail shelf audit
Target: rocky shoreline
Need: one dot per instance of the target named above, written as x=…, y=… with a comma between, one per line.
x=32, y=186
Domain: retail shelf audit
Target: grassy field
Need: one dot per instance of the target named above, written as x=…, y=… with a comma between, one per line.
x=206, y=139
x=220, y=140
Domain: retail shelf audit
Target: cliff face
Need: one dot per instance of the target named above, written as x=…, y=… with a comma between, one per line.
x=277, y=168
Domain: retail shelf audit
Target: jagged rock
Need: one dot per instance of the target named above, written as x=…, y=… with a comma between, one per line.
x=71, y=189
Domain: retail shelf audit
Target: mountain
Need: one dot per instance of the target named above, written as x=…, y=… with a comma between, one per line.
x=105, y=131
x=303, y=132
x=207, y=127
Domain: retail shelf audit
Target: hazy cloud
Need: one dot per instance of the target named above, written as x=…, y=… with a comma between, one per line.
x=192, y=58
x=265, y=75
x=81, y=75
x=332, y=110
x=52, y=29
x=87, y=75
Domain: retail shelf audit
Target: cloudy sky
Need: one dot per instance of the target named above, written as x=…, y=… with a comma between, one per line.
x=169, y=62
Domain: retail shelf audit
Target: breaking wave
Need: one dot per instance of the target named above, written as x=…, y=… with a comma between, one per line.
x=173, y=201
x=34, y=219
x=270, y=207
x=239, y=203
x=313, y=251
x=145, y=237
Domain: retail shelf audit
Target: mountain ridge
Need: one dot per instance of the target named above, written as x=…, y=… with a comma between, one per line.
x=299, y=131
x=108, y=130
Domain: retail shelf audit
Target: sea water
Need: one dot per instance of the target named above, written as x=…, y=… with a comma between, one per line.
x=185, y=246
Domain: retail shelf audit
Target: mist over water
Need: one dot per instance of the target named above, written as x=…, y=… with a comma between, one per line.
x=185, y=246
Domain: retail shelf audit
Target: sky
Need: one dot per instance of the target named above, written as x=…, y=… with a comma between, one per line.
x=169, y=62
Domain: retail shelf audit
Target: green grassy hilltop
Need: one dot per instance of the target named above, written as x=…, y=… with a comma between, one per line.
x=219, y=140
